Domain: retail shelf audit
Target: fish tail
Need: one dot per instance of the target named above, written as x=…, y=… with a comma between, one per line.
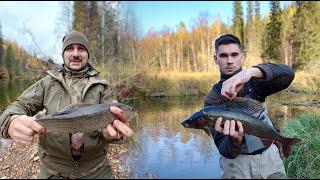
x=286, y=145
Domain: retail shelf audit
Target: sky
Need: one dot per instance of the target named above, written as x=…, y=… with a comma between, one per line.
x=33, y=24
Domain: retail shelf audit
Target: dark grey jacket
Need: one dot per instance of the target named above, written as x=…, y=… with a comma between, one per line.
x=276, y=78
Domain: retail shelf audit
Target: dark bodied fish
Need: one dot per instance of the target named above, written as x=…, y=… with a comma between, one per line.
x=247, y=112
x=82, y=117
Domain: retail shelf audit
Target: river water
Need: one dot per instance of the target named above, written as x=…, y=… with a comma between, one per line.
x=162, y=147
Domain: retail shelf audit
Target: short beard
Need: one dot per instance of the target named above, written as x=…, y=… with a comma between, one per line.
x=68, y=66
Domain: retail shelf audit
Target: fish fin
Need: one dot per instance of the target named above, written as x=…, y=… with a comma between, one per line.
x=250, y=106
x=286, y=145
x=69, y=108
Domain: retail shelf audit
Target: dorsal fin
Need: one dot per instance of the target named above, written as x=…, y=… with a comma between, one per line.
x=250, y=106
x=68, y=109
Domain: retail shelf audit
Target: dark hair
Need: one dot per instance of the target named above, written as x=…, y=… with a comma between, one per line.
x=227, y=39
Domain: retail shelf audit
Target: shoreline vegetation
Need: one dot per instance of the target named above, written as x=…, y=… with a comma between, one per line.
x=166, y=84
x=304, y=162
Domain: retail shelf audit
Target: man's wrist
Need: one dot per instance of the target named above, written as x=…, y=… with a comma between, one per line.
x=255, y=72
x=5, y=133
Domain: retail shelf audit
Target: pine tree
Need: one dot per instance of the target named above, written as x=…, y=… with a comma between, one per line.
x=110, y=33
x=237, y=27
x=258, y=30
x=249, y=33
x=9, y=60
x=306, y=35
x=273, y=39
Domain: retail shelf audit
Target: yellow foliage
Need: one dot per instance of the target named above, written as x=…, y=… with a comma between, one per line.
x=291, y=12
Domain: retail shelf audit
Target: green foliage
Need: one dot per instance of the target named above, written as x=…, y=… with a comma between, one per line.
x=306, y=33
x=110, y=33
x=10, y=60
x=258, y=31
x=94, y=30
x=273, y=39
x=237, y=27
x=304, y=162
x=250, y=28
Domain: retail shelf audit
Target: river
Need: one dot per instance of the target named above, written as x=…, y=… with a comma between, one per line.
x=163, y=148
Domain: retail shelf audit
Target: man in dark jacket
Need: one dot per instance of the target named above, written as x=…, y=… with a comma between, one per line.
x=244, y=155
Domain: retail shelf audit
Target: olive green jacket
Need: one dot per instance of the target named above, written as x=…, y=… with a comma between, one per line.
x=50, y=93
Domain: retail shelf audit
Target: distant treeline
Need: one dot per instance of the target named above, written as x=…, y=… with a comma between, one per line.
x=289, y=36
x=16, y=62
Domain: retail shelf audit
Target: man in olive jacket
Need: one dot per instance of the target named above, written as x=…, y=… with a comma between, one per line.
x=244, y=155
x=79, y=155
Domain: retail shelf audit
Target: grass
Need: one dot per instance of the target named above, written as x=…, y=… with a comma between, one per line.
x=161, y=83
x=171, y=83
x=306, y=81
x=304, y=162
x=181, y=83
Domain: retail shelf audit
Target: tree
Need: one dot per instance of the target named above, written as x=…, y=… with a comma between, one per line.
x=237, y=27
x=110, y=31
x=250, y=30
x=65, y=19
x=258, y=30
x=306, y=33
x=273, y=39
x=94, y=31
x=80, y=22
x=1, y=48
x=287, y=34
x=9, y=60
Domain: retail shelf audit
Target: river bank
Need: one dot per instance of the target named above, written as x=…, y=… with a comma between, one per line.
x=22, y=162
x=167, y=84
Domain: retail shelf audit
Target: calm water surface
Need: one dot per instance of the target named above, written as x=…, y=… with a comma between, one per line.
x=163, y=148
x=168, y=150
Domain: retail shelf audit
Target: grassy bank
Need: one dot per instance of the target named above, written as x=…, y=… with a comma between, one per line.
x=306, y=82
x=180, y=83
x=153, y=83
x=304, y=162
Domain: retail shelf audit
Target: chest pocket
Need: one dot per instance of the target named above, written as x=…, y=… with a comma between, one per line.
x=55, y=97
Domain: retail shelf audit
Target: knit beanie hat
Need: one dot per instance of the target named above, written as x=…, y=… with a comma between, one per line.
x=75, y=37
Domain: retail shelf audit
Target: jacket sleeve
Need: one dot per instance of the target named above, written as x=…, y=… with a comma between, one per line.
x=28, y=103
x=225, y=145
x=276, y=78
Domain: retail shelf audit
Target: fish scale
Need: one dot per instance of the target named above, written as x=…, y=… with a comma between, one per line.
x=82, y=118
x=240, y=109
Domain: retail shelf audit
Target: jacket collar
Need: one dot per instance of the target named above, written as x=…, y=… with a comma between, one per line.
x=60, y=71
x=59, y=76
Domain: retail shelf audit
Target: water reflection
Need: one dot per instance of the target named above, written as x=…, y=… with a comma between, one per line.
x=281, y=114
x=168, y=150
x=10, y=90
